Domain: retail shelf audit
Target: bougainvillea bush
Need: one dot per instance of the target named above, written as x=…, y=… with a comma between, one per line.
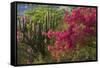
x=51, y=34
x=80, y=33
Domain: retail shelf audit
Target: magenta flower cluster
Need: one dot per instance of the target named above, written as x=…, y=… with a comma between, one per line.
x=81, y=23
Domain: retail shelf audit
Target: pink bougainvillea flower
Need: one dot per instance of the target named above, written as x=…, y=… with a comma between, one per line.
x=57, y=43
x=89, y=31
x=49, y=33
x=50, y=48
